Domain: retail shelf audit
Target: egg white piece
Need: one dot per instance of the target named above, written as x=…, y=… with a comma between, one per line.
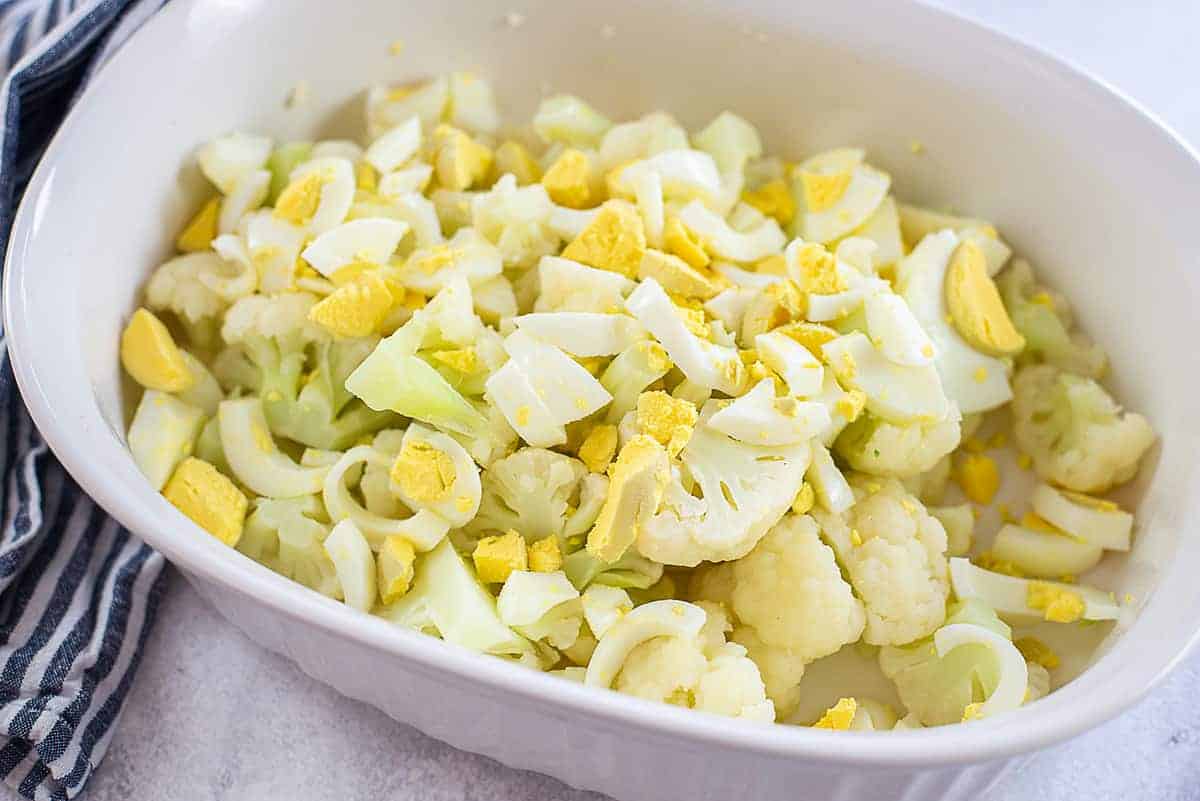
x=273, y=245
x=396, y=146
x=568, y=390
x=472, y=105
x=373, y=240
x=896, y=331
x=828, y=483
x=472, y=258
x=569, y=223
x=337, y=190
x=413, y=178
x=897, y=393
x=973, y=380
x=227, y=158
x=568, y=286
x=704, y=363
x=247, y=194
x=1096, y=522
x=883, y=228
x=421, y=215
x=513, y=394
x=746, y=278
x=759, y=418
x=794, y=363
x=863, y=195
x=648, y=195
x=683, y=175
x=583, y=333
x=730, y=306
x=386, y=107
x=727, y=243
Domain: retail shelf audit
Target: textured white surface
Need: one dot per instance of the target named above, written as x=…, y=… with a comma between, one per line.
x=215, y=717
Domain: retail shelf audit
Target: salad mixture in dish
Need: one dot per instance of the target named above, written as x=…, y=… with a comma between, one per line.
x=645, y=408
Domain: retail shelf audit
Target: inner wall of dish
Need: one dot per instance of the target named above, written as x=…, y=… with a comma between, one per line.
x=988, y=150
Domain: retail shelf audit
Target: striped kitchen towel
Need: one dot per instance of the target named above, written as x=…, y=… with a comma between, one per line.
x=78, y=592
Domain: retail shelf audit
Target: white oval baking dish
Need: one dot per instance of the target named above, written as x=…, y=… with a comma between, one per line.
x=1091, y=188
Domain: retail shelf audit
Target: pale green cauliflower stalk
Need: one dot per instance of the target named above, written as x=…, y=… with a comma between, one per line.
x=937, y=689
x=1044, y=319
x=1076, y=434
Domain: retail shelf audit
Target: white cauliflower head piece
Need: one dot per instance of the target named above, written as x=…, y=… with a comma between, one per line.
x=696, y=668
x=894, y=553
x=791, y=604
x=873, y=445
x=1076, y=434
x=739, y=492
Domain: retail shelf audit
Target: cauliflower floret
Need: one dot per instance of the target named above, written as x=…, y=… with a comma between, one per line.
x=177, y=286
x=740, y=492
x=280, y=316
x=1075, y=432
x=791, y=602
x=517, y=221
x=894, y=552
x=781, y=669
x=703, y=672
x=875, y=446
x=1044, y=319
x=534, y=491
x=663, y=669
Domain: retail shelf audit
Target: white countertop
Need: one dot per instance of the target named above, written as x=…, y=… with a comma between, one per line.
x=212, y=716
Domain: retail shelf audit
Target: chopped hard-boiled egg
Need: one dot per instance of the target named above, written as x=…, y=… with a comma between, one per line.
x=670, y=421
x=201, y=230
x=761, y=418
x=583, y=333
x=150, y=355
x=209, y=498
x=568, y=179
x=371, y=240
x=496, y=558
x=459, y=162
x=838, y=193
x=319, y=195
x=355, y=309
x=545, y=555
x=395, y=562
x=395, y=147
x=599, y=447
x=1100, y=522
x=638, y=478
x=975, y=307
x=974, y=380
x=1025, y=598
x=895, y=392
x=614, y=240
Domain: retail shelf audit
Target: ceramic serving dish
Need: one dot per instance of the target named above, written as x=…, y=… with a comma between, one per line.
x=1096, y=193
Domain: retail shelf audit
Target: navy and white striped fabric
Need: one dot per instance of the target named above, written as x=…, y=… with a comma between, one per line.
x=78, y=592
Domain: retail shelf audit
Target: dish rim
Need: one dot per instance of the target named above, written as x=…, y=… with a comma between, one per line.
x=1042, y=724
